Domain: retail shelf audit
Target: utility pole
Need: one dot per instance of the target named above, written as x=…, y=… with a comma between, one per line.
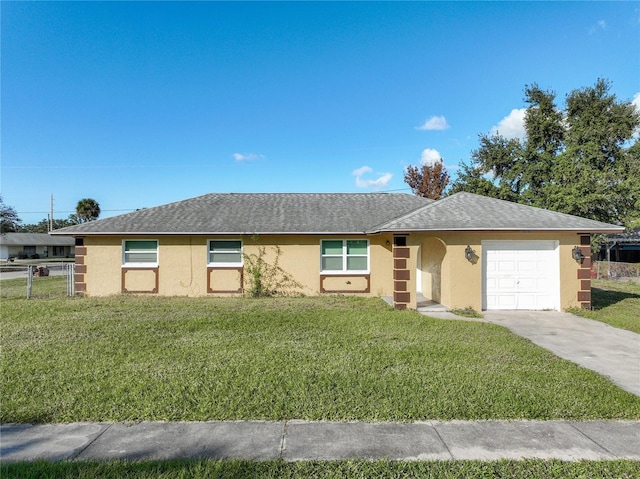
x=51, y=216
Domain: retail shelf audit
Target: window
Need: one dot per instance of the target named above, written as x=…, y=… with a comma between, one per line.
x=140, y=253
x=225, y=252
x=344, y=256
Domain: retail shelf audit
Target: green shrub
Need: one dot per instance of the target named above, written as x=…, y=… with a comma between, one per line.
x=265, y=279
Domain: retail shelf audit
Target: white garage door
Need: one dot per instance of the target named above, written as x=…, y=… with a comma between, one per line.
x=521, y=275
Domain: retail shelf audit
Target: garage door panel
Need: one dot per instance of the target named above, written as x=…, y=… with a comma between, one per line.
x=525, y=266
x=506, y=284
x=530, y=284
x=505, y=302
x=527, y=301
x=520, y=274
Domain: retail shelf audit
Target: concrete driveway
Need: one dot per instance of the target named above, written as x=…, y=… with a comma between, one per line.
x=610, y=351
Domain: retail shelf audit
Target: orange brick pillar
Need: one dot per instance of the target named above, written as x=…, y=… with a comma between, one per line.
x=401, y=272
x=584, y=273
x=80, y=286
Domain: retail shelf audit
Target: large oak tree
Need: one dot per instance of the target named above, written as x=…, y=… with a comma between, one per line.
x=583, y=159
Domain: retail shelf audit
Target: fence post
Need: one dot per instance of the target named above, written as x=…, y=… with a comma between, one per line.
x=29, y=280
x=70, y=275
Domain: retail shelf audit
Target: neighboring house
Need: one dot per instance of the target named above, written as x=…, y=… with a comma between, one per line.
x=623, y=247
x=462, y=251
x=35, y=245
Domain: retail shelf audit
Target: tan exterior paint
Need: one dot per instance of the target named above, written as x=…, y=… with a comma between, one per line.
x=183, y=270
x=461, y=280
x=140, y=280
x=446, y=275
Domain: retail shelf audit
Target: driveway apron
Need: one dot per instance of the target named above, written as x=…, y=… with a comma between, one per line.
x=610, y=351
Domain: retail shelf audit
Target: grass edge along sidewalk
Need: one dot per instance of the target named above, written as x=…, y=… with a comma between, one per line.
x=526, y=449
x=130, y=358
x=203, y=468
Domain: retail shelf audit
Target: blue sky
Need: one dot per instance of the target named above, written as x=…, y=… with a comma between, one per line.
x=141, y=104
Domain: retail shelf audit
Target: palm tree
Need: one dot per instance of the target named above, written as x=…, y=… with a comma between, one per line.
x=88, y=209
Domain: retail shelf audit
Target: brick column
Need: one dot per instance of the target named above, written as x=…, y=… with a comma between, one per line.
x=584, y=273
x=80, y=285
x=401, y=273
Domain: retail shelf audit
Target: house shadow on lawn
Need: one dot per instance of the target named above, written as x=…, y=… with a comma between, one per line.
x=602, y=298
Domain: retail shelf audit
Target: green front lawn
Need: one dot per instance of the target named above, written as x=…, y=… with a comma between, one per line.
x=533, y=469
x=616, y=303
x=127, y=358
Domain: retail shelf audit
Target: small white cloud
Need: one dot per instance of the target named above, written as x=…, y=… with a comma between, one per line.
x=247, y=156
x=600, y=25
x=512, y=125
x=361, y=171
x=430, y=156
x=381, y=182
x=434, y=123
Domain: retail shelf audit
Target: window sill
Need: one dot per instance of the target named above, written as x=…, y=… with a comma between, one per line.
x=345, y=273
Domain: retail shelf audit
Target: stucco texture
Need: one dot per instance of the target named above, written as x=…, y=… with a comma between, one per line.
x=437, y=264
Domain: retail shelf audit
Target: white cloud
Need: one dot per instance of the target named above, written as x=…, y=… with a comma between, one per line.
x=247, y=156
x=361, y=171
x=381, y=182
x=429, y=156
x=434, y=123
x=512, y=125
x=600, y=25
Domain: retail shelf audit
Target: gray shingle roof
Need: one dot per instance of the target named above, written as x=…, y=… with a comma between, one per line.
x=335, y=213
x=469, y=212
x=34, y=239
x=261, y=213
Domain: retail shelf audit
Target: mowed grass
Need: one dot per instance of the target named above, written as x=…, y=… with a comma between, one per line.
x=200, y=469
x=130, y=358
x=44, y=287
x=616, y=303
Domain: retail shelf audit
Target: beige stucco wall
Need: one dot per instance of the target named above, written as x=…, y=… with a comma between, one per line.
x=461, y=280
x=446, y=276
x=103, y=263
x=182, y=264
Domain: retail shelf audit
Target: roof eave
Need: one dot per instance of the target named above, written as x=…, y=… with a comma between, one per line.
x=211, y=233
x=514, y=229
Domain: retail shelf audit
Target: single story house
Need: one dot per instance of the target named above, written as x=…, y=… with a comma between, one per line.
x=35, y=245
x=461, y=251
x=623, y=247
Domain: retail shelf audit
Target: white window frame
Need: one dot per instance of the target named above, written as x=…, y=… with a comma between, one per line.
x=345, y=256
x=142, y=264
x=229, y=264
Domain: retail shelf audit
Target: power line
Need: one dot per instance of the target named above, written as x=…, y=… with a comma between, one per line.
x=65, y=211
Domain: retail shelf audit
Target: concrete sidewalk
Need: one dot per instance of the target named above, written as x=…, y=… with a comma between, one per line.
x=303, y=440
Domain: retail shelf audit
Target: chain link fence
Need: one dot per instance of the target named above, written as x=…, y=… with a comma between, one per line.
x=38, y=280
x=615, y=270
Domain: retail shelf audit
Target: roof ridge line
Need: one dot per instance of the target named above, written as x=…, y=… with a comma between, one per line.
x=381, y=226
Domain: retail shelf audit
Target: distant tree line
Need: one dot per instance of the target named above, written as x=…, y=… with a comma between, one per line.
x=87, y=209
x=581, y=159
